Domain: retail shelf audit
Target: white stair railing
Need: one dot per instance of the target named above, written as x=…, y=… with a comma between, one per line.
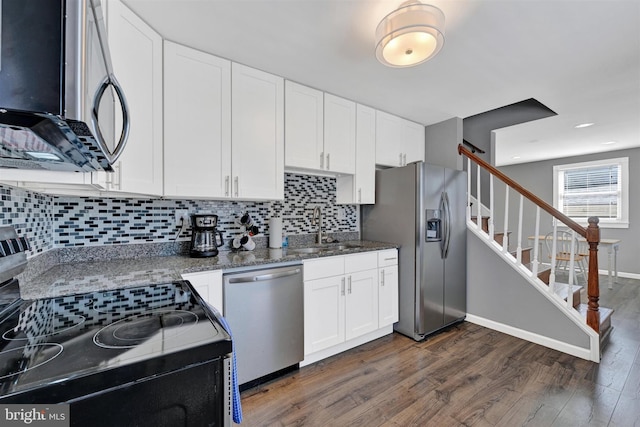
x=533, y=269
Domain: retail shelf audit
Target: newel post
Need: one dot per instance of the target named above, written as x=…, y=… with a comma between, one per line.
x=593, y=289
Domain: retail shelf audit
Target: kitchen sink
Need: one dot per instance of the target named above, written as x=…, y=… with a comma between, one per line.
x=307, y=250
x=330, y=247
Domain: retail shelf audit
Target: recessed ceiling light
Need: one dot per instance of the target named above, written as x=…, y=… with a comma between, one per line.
x=583, y=125
x=609, y=142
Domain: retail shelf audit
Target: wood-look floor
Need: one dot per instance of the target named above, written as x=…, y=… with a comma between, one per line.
x=465, y=376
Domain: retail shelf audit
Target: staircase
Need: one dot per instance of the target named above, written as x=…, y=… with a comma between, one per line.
x=580, y=302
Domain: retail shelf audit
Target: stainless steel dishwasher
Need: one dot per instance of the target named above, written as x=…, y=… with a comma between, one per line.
x=264, y=308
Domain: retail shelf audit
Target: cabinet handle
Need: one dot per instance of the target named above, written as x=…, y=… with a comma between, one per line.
x=359, y=195
x=342, y=286
x=349, y=279
x=404, y=159
x=226, y=186
x=328, y=167
x=381, y=277
x=400, y=162
x=236, y=183
x=322, y=160
x=391, y=259
x=117, y=176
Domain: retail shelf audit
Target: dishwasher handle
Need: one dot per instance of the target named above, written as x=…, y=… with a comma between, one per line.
x=262, y=277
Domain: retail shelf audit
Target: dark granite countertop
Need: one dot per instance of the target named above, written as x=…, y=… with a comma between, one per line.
x=84, y=276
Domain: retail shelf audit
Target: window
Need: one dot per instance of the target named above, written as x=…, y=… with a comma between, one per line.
x=599, y=188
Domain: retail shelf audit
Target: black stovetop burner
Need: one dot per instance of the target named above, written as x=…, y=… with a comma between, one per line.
x=57, y=349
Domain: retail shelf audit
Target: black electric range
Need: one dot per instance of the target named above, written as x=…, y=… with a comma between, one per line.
x=151, y=355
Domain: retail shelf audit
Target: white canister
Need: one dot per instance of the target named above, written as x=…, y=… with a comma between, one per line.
x=275, y=233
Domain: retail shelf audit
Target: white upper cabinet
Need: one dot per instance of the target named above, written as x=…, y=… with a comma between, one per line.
x=339, y=135
x=257, y=129
x=136, y=53
x=398, y=141
x=224, y=128
x=197, y=126
x=360, y=187
x=320, y=131
x=414, y=143
x=304, y=126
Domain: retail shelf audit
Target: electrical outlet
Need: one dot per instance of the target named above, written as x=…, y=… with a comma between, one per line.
x=181, y=215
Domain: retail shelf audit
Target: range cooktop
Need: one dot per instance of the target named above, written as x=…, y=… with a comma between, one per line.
x=98, y=340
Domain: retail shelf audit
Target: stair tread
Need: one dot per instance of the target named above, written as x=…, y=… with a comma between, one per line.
x=605, y=312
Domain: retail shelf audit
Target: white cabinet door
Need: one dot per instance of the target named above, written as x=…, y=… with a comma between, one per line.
x=388, y=139
x=257, y=133
x=365, y=177
x=304, y=127
x=197, y=145
x=209, y=285
x=361, y=303
x=413, y=142
x=398, y=141
x=136, y=53
x=339, y=134
x=388, y=295
x=324, y=313
x=360, y=188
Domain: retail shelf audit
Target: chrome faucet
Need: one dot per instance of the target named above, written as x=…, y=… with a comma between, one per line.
x=316, y=219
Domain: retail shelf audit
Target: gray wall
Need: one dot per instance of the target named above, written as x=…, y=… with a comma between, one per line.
x=495, y=291
x=537, y=177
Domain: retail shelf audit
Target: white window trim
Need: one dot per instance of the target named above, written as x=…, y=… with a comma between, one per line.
x=604, y=222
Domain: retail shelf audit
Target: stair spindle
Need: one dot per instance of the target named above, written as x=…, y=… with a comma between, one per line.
x=505, y=238
x=491, y=228
x=536, y=244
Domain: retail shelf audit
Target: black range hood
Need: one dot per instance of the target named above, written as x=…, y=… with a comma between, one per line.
x=58, y=95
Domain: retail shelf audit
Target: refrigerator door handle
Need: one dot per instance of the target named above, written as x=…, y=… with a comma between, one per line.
x=443, y=226
x=447, y=224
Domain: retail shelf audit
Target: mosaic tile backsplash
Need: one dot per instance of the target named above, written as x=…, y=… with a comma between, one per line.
x=61, y=221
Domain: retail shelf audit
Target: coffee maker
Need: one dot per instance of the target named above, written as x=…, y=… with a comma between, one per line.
x=204, y=236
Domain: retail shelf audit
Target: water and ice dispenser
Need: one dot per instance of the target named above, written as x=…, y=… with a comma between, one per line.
x=434, y=225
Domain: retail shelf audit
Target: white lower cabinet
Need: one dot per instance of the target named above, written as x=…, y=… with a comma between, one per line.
x=388, y=287
x=340, y=301
x=324, y=314
x=209, y=285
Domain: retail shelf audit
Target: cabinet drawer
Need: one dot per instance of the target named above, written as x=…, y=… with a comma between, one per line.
x=360, y=262
x=387, y=257
x=323, y=267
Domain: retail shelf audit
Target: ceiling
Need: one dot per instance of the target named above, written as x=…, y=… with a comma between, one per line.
x=579, y=58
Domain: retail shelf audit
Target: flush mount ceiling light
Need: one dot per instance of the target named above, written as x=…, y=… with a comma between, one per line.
x=410, y=35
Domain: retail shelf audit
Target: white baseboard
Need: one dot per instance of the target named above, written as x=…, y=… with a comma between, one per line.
x=583, y=353
x=620, y=274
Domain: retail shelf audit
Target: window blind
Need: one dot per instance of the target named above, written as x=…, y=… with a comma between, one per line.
x=591, y=191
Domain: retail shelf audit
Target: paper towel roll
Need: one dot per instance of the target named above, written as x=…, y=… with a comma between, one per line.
x=275, y=233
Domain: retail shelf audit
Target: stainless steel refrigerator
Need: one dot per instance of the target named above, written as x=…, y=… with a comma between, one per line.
x=421, y=207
